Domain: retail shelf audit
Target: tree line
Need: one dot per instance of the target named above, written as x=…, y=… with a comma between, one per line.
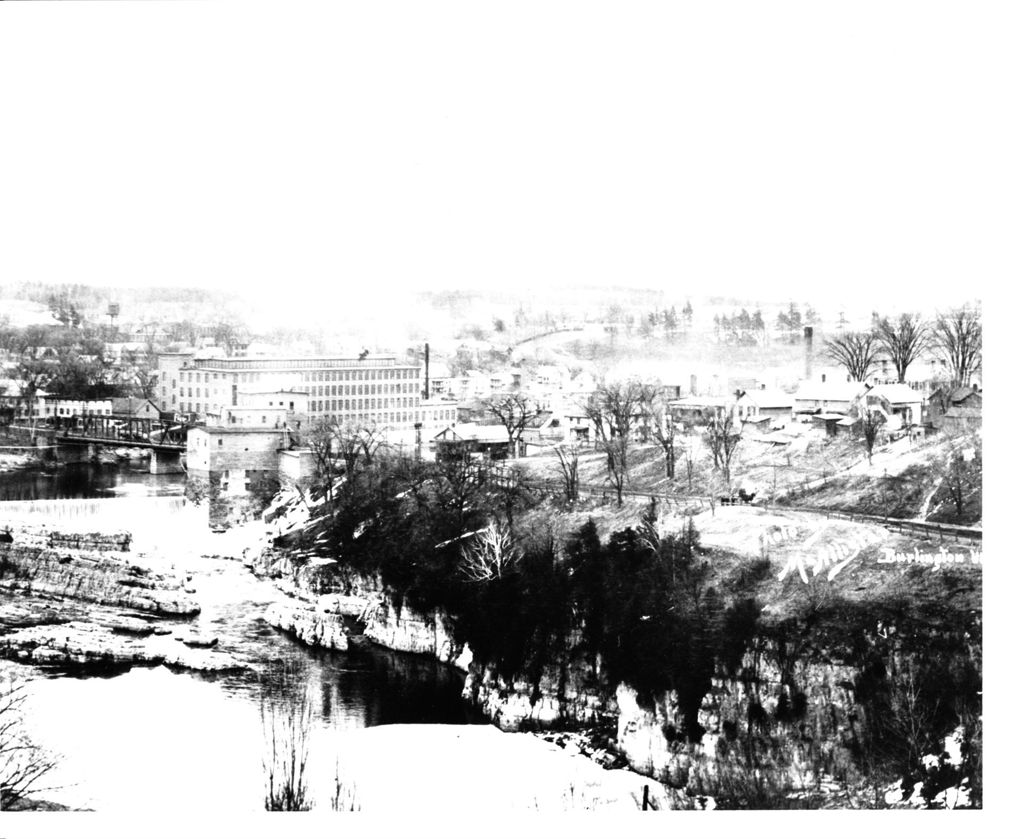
x=955, y=336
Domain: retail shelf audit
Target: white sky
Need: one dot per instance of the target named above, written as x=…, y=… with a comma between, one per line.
x=731, y=147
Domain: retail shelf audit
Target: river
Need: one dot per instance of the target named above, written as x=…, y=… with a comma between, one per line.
x=151, y=739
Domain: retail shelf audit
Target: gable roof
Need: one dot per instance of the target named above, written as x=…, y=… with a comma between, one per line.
x=828, y=391
x=963, y=393
x=956, y=395
x=472, y=431
x=702, y=402
x=964, y=412
x=897, y=394
x=770, y=398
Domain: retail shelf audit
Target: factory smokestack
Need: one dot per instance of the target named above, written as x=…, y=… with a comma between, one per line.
x=808, y=350
x=426, y=371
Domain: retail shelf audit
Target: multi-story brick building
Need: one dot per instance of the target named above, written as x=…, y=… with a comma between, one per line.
x=376, y=389
x=168, y=378
x=371, y=389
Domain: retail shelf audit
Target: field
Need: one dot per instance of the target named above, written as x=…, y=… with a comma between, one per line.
x=790, y=559
x=828, y=474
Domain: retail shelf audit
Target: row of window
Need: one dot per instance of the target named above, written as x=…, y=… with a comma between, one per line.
x=286, y=364
x=361, y=375
x=320, y=405
x=362, y=390
x=371, y=374
x=72, y=412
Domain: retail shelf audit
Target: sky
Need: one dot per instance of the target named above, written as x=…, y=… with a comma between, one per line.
x=331, y=155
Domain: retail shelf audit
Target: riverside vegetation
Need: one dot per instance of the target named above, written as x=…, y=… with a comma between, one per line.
x=531, y=586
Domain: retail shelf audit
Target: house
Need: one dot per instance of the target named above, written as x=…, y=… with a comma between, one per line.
x=474, y=411
x=962, y=418
x=127, y=407
x=543, y=431
x=694, y=410
x=966, y=401
x=61, y=409
x=768, y=402
x=578, y=426
x=901, y=405
x=829, y=397
x=472, y=440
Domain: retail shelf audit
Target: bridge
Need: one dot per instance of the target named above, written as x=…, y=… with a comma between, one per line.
x=166, y=440
x=136, y=432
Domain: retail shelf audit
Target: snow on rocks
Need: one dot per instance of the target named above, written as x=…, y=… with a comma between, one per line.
x=82, y=643
x=311, y=625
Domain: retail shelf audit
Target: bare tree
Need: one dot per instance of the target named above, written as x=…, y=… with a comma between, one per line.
x=903, y=341
x=286, y=731
x=23, y=764
x=321, y=446
x=958, y=336
x=961, y=475
x=515, y=411
x=614, y=409
x=568, y=455
x=357, y=444
x=871, y=423
x=689, y=460
x=723, y=438
x=656, y=421
x=857, y=352
x=491, y=554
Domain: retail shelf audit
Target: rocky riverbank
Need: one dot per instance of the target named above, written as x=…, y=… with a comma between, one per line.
x=105, y=578
x=804, y=715
x=65, y=606
x=16, y=460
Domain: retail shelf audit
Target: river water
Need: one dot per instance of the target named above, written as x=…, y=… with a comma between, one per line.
x=152, y=739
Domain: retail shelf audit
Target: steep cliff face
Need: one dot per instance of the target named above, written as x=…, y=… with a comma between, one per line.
x=316, y=624
x=572, y=693
x=96, y=577
x=310, y=576
x=799, y=708
x=326, y=594
x=403, y=629
x=806, y=714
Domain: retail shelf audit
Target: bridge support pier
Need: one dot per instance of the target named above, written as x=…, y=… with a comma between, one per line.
x=164, y=462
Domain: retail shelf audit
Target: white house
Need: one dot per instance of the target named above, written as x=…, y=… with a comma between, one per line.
x=828, y=397
x=53, y=406
x=900, y=404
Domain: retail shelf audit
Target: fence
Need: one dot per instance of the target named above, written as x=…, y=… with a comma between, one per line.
x=954, y=532
x=696, y=504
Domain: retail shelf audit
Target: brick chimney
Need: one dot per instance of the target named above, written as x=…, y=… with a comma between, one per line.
x=808, y=350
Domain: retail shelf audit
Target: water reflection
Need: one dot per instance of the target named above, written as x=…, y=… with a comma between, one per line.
x=87, y=480
x=150, y=737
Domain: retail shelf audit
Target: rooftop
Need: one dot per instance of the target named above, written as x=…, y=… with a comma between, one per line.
x=964, y=412
x=896, y=394
x=770, y=398
x=828, y=391
x=301, y=362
